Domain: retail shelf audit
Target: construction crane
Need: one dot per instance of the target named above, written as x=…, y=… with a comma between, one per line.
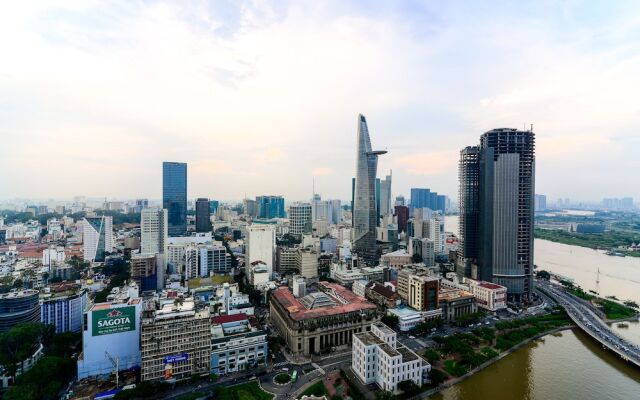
x=116, y=365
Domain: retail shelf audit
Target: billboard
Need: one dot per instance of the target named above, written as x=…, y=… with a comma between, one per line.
x=115, y=320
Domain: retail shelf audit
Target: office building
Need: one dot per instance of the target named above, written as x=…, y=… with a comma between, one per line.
x=63, y=306
x=469, y=202
x=213, y=207
x=174, y=196
x=426, y=198
x=17, y=307
x=378, y=357
x=97, y=237
x=203, y=215
x=365, y=208
x=52, y=256
x=143, y=270
x=402, y=216
x=300, y=219
x=214, y=260
x=423, y=292
x=286, y=259
x=320, y=321
x=307, y=262
x=386, y=207
x=111, y=331
x=270, y=207
x=540, y=202
x=153, y=231
x=425, y=249
x=175, y=340
x=250, y=207
x=488, y=295
x=505, y=204
x=261, y=245
x=237, y=344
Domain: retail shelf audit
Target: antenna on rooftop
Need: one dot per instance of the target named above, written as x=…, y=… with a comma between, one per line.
x=532, y=128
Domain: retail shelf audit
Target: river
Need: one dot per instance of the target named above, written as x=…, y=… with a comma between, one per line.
x=568, y=365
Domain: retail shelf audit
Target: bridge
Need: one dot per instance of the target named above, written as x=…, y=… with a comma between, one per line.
x=587, y=320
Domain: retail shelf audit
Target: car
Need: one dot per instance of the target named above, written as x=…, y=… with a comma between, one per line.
x=487, y=323
x=285, y=369
x=412, y=337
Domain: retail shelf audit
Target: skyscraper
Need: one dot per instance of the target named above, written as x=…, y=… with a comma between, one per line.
x=203, y=215
x=505, y=199
x=300, y=219
x=97, y=237
x=386, y=207
x=174, y=196
x=364, y=201
x=425, y=198
x=468, y=199
x=270, y=207
x=153, y=231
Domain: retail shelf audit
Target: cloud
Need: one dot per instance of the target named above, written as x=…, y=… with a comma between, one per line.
x=322, y=171
x=428, y=164
x=211, y=167
x=269, y=155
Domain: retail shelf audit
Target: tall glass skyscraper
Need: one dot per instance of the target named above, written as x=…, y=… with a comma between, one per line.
x=270, y=207
x=365, y=208
x=174, y=196
x=496, y=209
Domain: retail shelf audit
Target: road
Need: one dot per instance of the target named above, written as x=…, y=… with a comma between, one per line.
x=586, y=319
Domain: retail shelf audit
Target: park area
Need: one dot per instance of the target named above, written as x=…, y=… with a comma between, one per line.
x=246, y=391
x=457, y=354
x=334, y=386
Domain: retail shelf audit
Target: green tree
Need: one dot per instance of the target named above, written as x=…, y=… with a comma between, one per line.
x=19, y=343
x=409, y=388
x=385, y=395
x=432, y=356
x=437, y=376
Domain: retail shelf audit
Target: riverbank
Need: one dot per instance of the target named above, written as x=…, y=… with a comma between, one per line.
x=451, y=382
x=603, y=241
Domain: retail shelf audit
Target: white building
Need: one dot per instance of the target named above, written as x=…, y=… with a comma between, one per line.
x=378, y=358
x=111, y=330
x=53, y=256
x=153, y=231
x=214, y=260
x=300, y=222
x=261, y=245
x=64, y=310
x=359, y=287
x=488, y=295
x=436, y=232
x=307, y=262
x=97, y=237
x=425, y=248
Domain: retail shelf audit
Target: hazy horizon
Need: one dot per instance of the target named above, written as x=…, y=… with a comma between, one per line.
x=263, y=97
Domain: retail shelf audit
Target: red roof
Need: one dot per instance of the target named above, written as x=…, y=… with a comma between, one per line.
x=298, y=312
x=223, y=319
x=489, y=285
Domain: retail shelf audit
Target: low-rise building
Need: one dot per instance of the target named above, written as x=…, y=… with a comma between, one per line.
x=63, y=306
x=381, y=295
x=237, y=344
x=489, y=296
x=321, y=320
x=456, y=303
x=18, y=306
x=111, y=331
x=175, y=339
x=359, y=287
x=378, y=358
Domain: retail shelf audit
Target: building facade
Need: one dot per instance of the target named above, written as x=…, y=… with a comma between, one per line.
x=505, y=193
x=270, y=207
x=488, y=295
x=153, y=231
x=174, y=196
x=175, y=340
x=64, y=310
x=203, y=215
x=97, y=237
x=17, y=307
x=261, y=244
x=320, y=321
x=378, y=358
x=236, y=344
x=365, y=210
x=300, y=222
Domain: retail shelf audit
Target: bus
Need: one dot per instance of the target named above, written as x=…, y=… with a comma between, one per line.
x=294, y=376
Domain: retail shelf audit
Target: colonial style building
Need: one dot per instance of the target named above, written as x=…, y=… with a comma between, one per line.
x=321, y=320
x=378, y=358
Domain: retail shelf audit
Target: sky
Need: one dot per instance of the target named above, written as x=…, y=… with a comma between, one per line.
x=262, y=97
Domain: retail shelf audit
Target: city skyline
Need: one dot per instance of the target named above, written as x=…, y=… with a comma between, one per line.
x=93, y=78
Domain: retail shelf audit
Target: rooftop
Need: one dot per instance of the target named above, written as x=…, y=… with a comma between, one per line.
x=223, y=319
x=489, y=285
x=407, y=355
x=453, y=295
x=348, y=302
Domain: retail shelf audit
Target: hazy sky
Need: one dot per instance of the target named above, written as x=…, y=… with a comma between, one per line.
x=259, y=97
